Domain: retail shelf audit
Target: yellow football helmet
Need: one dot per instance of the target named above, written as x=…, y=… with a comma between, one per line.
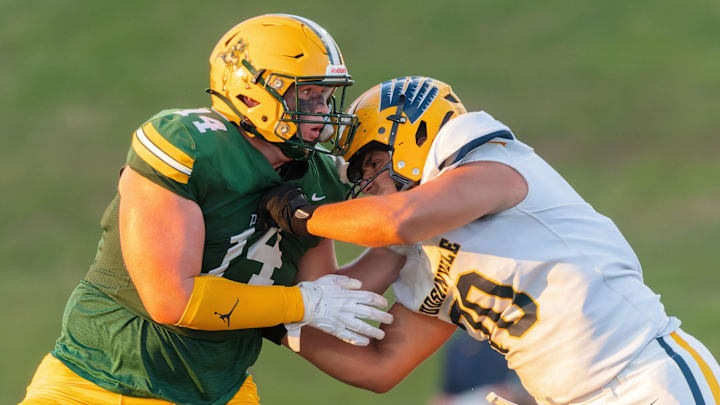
x=402, y=116
x=261, y=58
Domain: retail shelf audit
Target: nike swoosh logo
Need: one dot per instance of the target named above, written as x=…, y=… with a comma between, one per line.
x=315, y=197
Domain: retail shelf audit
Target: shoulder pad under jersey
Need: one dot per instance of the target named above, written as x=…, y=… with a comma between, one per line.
x=459, y=137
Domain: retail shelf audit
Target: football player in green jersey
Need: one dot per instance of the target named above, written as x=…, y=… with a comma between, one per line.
x=184, y=278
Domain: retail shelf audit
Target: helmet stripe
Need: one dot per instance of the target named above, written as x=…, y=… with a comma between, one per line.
x=331, y=47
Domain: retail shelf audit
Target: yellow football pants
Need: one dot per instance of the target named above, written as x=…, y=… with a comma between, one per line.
x=54, y=383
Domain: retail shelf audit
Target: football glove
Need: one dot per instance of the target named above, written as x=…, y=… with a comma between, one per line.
x=287, y=206
x=334, y=304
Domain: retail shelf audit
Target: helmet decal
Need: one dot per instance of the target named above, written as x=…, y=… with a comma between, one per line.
x=419, y=94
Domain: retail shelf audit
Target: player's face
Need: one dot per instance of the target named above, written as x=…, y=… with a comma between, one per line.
x=372, y=162
x=310, y=99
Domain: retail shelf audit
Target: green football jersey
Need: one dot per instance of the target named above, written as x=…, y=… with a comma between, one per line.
x=107, y=335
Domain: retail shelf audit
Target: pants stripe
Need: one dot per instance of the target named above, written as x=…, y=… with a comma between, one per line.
x=707, y=372
x=694, y=388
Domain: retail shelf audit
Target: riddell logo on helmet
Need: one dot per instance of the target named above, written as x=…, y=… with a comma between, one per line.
x=337, y=69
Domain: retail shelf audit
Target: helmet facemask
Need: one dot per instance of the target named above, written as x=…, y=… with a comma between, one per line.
x=301, y=104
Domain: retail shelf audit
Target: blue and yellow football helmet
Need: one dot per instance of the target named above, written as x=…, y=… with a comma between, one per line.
x=402, y=116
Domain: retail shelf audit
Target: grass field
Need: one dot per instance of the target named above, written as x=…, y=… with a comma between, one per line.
x=621, y=97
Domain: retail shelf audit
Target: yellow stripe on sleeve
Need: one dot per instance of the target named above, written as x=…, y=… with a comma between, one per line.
x=156, y=163
x=165, y=146
x=707, y=372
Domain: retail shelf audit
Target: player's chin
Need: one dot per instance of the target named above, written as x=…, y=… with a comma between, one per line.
x=371, y=189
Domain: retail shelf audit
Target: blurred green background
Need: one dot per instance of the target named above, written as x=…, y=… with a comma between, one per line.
x=623, y=98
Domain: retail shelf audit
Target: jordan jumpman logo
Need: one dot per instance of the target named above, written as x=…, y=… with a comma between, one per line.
x=226, y=317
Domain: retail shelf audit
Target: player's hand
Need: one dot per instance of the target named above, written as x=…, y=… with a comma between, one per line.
x=335, y=305
x=287, y=206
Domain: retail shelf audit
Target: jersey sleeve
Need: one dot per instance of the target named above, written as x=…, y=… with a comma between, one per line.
x=164, y=152
x=461, y=139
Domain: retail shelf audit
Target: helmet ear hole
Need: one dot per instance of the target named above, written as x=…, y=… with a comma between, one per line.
x=250, y=102
x=451, y=99
x=446, y=118
x=421, y=134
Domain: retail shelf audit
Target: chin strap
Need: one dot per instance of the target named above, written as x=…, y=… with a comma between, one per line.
x=401, y=183
x=244, y=123
x=294, y=152
x=224, y=100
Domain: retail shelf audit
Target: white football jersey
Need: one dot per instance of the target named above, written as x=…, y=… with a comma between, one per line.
x=551, y=283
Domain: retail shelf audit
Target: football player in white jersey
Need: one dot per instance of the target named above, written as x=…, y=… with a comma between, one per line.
x=498, y=244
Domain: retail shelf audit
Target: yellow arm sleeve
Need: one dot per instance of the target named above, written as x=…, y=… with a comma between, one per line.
x=217, y=303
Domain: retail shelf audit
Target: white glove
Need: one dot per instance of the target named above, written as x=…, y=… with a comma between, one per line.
x=334, y=305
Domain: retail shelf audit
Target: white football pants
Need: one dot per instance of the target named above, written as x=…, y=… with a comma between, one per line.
x=671, y=370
